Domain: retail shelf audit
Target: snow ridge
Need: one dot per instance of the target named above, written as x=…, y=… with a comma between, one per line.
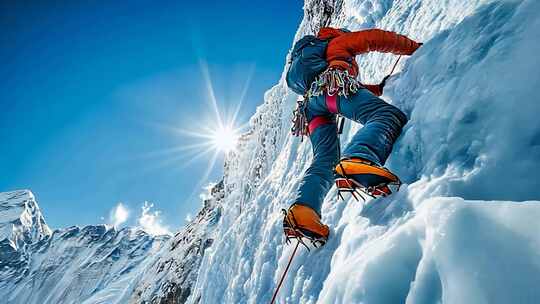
x=21, y=220
x=93, y=264
x=21, y=226
x=170, y=277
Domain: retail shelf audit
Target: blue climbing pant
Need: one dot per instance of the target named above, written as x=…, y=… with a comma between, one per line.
x=382, y=125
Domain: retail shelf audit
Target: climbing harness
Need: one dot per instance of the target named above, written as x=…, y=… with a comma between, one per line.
x=335, y=81
x=332, y=82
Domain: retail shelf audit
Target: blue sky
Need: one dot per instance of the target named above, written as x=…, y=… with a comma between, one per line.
x=93, y=91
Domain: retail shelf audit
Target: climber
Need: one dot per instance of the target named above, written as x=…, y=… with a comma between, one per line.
x=323, y=69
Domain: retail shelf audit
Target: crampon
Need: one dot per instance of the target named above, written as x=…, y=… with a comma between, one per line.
x=357, y=190
x=346, y=183
x=293, y=232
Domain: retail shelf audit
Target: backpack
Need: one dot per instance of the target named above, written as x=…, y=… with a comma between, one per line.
x=308, y=60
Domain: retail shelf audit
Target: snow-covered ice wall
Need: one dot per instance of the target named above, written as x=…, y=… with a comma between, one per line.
x=462, y=230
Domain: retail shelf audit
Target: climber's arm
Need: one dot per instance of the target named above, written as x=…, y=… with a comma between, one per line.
x=374, y=40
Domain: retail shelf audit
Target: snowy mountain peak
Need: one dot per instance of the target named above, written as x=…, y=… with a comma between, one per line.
x=92, y=263
x=21, y=221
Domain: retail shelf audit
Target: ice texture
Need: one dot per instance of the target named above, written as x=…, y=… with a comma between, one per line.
x=463, y=230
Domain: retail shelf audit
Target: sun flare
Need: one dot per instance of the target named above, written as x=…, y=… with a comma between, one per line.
x=224, y=138
x=213, y=135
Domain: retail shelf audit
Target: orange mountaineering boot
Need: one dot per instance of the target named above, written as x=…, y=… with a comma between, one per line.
x=303, y=222
x=354, y=174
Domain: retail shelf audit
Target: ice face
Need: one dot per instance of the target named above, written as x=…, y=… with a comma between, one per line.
x=470, y=95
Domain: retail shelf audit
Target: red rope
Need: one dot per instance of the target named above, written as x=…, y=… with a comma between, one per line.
x=284, y=273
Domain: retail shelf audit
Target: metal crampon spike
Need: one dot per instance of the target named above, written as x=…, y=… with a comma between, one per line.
x=354, y=195
x=303, y=243
x=298, y=235
x=361, y=193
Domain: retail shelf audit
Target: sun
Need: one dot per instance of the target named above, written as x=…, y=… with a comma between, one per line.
x=213, y=135
x=224, y=138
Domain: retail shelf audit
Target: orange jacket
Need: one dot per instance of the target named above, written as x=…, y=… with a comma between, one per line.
x=344, y=46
